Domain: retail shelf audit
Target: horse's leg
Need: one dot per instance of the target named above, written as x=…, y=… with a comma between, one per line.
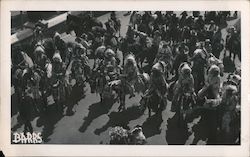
x=119, y=31
x=234, y=56
x=44, y=100
x=239, y=55
x=122, y=101
x=230, y=54
x=149, y=111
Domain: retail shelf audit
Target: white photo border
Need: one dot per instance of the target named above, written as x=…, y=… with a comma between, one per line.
x=111, y=150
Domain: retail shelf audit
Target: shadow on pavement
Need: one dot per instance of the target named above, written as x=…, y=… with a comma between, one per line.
x=121, y=118
x=14, y=104
x=48, y=120
x=152, y=125
x=95, y=111
x=175, y=135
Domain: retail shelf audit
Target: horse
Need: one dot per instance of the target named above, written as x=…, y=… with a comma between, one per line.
x=233, y=44
x=76, y=70
x=198, y=69
x=81, y=24
x=165, y=54
x=184, y=97
x=45, y=46
x=154, y=98
x=154, y=103
x=116, y=22
x=129, y=81
x=135, y=20
x=60, y=86
x=45, y=72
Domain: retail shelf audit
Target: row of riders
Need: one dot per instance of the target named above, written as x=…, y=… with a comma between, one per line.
x=182, y=66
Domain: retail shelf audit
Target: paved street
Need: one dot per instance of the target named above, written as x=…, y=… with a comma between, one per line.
x=92, y=120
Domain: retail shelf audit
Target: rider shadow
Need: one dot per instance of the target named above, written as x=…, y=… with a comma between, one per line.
x=203, y=130
x=14, y=105
x=175, y=135
x=20, y=119
x=152, y=125
x=200, y=132
x=48, y=120
x=121, y=118
x=76, y=95
x=95, y=111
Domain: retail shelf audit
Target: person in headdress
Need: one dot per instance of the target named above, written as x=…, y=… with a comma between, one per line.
x=60, y=45
x=58, y=81
x=198, y=68
x=154, y=46
x=35, y=88
x=200, y=22
x=131, y=71
x=184, y=97
x=165, y=54
x=157, y=83
x=110, y=64
x=182, y=56
x=185, y=83
x=229, y=115
x=213, y=79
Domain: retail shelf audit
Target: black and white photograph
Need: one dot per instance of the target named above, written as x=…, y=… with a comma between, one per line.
x=126, y=77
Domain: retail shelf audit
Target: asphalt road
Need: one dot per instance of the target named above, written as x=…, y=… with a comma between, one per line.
x=92, y=120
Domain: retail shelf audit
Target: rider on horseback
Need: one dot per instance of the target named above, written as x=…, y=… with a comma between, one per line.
x=165, y=54
x=59, y=83
x=158, y=83
x=184, y=88
x=110, y=65
x=131, y=71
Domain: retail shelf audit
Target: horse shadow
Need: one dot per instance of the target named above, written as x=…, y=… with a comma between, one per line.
x=77, y=94
x=205, y=130
x=14, y=104
x=121, y=118
x=15, y=107
x=48, y=119
x=175, y=135
x=95, y=111
x=152, y=125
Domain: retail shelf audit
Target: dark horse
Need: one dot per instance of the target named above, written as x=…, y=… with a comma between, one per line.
x=233, y=44
x=81, y=24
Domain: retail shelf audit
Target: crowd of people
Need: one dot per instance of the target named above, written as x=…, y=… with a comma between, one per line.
x=169, y=59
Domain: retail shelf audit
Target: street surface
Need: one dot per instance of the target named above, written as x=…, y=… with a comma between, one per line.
x=92, y=121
